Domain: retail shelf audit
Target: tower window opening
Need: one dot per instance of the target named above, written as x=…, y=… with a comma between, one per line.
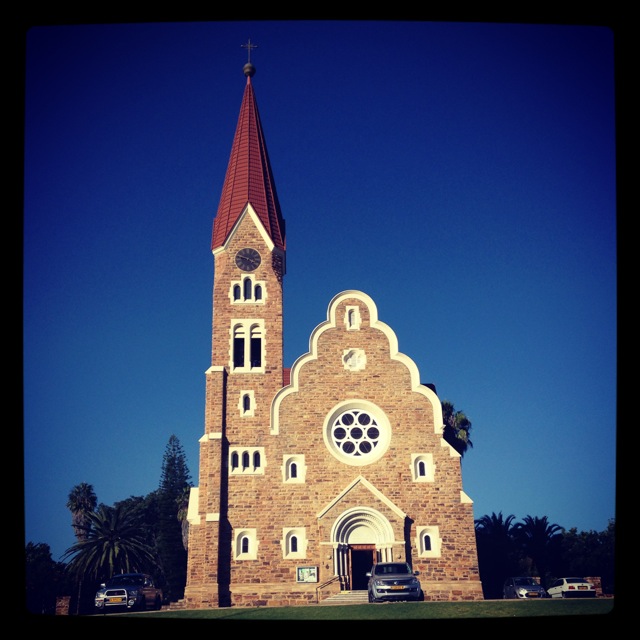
x=247, y=346
x=238, y=347
x=248, y=285
x=256, y=347
x=247, y=290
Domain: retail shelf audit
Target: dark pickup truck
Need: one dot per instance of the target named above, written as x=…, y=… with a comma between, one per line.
x=131, y=591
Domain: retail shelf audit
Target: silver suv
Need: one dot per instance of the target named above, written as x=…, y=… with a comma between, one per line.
x=133, y=591
x=393, y=581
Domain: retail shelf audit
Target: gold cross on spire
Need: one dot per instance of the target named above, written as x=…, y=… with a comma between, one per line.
x=248, y=47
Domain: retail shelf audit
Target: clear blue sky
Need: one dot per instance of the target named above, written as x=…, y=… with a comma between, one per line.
x=461, y=174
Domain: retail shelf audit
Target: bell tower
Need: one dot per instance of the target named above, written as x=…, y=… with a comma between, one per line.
x=249, y=249
x=248, y=245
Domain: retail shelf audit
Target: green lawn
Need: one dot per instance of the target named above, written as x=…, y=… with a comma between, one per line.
x=397, y=611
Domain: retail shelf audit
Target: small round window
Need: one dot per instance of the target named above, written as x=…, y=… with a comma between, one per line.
x=358, y=434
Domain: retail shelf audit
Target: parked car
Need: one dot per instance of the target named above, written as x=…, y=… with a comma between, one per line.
x=571, y=588
x=522, y=588
x=393, y=581
x=132, y=591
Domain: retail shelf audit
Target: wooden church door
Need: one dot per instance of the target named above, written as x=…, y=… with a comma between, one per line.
x=363, y=556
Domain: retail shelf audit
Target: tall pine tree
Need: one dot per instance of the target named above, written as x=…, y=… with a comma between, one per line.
x=173, y=556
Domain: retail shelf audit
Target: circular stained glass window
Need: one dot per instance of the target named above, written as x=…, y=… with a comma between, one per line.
x=358, y=435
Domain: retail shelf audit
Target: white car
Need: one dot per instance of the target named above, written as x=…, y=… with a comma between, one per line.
x=571, y=588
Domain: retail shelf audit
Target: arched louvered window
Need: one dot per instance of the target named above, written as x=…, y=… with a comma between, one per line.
x=236, y=292
x=248, y=285
x=256, y=459
x=245, y=459
x=238, y=346
x=256, y=346
x=234, y=460
x=258, y=292
x=248, y=346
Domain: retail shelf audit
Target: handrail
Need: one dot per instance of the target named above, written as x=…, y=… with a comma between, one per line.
x=323, y=585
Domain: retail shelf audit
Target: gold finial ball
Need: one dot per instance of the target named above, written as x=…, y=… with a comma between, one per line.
x=249, y=70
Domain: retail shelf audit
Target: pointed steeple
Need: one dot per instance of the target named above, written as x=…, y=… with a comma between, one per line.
x=249, y=178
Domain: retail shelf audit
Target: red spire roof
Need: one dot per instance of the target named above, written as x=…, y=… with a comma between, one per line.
x=249, y=178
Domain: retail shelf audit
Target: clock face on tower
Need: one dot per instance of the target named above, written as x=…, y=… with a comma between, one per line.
x=247, y=259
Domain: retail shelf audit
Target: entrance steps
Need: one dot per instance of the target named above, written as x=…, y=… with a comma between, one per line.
x=346, y=597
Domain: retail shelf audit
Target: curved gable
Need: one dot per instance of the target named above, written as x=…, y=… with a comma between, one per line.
x=353, y=310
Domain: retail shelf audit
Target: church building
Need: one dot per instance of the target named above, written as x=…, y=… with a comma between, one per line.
x=308, y=476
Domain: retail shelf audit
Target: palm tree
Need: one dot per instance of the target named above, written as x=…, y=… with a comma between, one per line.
x=496, y=527
x=496, y=549
x=456, y=428
x=116, y=542
x=82, y=501
x=538, y=540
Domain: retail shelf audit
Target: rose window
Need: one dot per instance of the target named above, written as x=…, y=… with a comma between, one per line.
x=355, y=433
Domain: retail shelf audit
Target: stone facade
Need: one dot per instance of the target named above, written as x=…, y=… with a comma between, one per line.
x=397, y=495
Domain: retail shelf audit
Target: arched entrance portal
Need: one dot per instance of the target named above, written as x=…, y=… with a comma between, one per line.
x=361, y=536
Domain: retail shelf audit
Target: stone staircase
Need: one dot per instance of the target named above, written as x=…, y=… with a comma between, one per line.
x=346, y=597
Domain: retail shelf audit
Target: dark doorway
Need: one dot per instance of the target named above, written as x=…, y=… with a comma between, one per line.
x=362, y=557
